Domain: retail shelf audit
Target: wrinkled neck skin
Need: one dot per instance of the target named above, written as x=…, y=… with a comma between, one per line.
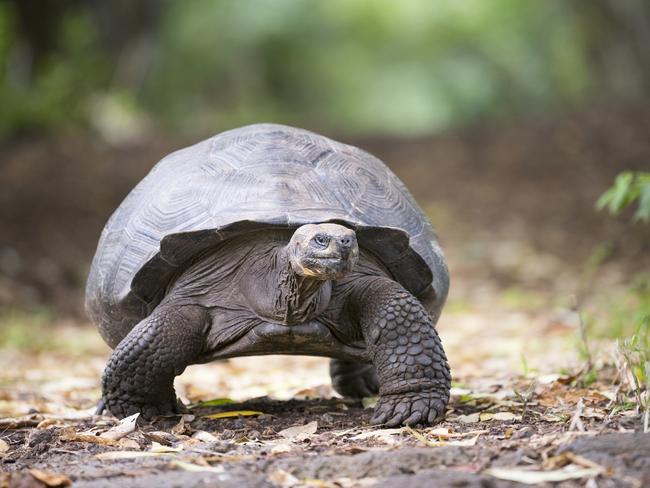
x=278, y=294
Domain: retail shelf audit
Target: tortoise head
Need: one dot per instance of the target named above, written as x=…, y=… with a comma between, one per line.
x=323, y=251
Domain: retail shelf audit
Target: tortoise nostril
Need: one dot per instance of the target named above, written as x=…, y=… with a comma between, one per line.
x=345, y=241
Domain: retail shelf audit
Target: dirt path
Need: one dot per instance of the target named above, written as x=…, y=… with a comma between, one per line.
x=538, y=424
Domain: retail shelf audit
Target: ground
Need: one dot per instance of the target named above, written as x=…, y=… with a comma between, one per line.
x=541, y=392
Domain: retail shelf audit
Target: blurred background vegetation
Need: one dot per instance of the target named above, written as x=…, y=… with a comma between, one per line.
x=407, y=67
x=507, y=119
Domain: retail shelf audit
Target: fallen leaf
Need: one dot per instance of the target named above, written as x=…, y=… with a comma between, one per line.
x=442, y=432
x=536, y=477
x=423, y=439
x=446, y=433
x=182, y=424
x=159, y=448
x=215, y=402
x=469, y=419
x=576, y=421
x=124, y=428
x=318, y=483
x=506, y=416
x=485, y=416
x=126, y=443
x=89, y=437
x=549, y=417
x=299, y=432
x=161, y=437
x=281, y=448
x=460, y=443
x=384, y=435
x=233, y=413
x=47, y=423
x=283, y=478
x=54, y=480
x=196, y=468
x=355, y=482
x=21, y=422
x=464, y=442
x=4, y=447
x=369, y=402
x=203, y=436
x=113, y=455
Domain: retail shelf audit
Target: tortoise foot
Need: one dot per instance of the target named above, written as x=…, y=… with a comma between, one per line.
x=121, y=407
x=421, y=407
x=354, y=380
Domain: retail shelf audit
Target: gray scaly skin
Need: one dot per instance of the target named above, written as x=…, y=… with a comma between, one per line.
x=311, y=292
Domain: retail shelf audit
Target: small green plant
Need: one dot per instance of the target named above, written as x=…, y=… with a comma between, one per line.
x=635, y=351
x=628, y=187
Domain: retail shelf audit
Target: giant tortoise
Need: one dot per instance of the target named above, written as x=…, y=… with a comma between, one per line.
x=269, y=239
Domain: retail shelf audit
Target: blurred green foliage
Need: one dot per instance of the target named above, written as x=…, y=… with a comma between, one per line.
x=628, y=187
x=360, y=66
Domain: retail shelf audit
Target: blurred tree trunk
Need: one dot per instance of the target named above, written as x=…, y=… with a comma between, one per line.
x=616, y=34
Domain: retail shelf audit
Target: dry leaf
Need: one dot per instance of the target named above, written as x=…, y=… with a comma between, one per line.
x=299, y=432
x=444, y=432
x=469, y=419
x=21, y=422
x=54, y=480
x=384, y=435
x=113, y=455
x=461, y=443
x=506, y=416
x=182, y=424
x=283, y=478
x=89, y=437
x=161, y=437
x=464, y=442
x=124, y=428
x=197, y=468
x=4, y=447
x=160, y=449
x=281, y=448
x=203, y=436
x=423, y=439
x=355, y=482
x=536, y=477
x=549, y=417
x=316, y=483
x=233, y=413
x=126, y=443
x=48, y=422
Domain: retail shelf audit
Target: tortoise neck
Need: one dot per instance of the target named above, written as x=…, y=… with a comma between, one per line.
x=275, y=292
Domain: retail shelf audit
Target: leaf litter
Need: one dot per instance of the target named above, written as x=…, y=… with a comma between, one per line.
x=491, y=414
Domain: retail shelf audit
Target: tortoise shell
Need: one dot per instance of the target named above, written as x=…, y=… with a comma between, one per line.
x=245, y=180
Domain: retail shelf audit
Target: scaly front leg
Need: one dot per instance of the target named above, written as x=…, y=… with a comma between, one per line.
x=414, y=377
x=139, y=376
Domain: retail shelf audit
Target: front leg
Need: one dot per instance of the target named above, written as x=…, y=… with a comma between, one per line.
x=139, y=376
x=414, y=377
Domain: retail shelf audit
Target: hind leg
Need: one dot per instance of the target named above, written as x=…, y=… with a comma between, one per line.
x=354, y=379
x=139, y=376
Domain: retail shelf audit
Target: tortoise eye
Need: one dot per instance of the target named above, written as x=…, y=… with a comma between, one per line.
x=321, y=240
